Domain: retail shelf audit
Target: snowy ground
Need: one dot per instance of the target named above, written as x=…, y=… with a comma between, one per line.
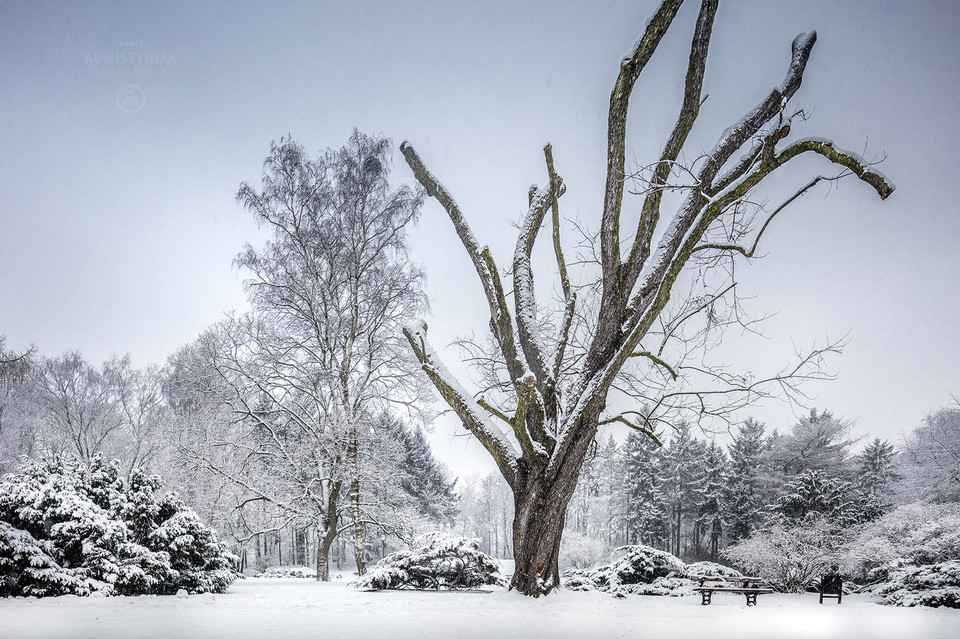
x=267, y=608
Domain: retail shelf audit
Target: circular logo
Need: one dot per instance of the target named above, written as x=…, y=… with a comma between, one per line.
x=131, y=98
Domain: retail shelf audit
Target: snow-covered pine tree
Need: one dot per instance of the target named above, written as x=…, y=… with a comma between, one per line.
x=818, y=441
x=744, y=498
x=876, y=472
x=424, y=480
x=711, y=504
x=646, y=505
x=814, y=494
x=71, y=527
x=594, y=510
x=682, y=474
x=611, y=507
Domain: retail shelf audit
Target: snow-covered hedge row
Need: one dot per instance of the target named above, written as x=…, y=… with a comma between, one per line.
x=642, y=570
x=911, y=535
x=929, y=585
x=71, y=528
x=435, y=562
x=288, y=572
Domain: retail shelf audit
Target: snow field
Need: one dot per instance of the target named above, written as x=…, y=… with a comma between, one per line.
x=294, y=608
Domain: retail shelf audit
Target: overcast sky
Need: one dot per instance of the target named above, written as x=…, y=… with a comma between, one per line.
x=126, y=129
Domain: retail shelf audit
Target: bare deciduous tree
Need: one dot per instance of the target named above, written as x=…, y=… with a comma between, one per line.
x=322, y=354
x=557, y=381
x=78, y=407
x=18, y=428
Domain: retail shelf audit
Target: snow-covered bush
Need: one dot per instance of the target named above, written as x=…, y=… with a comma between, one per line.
x=711, y=569
x=435, y=562
x=911, y=535
x=580, y=551
x=930, y=585
x=639, y=570
x=790, y=558
x=293, y=572
x=75, y=528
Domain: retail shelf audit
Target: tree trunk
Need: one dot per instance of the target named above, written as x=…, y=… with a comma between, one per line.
x=359, y=541
x=540, y=510
x=327, y=530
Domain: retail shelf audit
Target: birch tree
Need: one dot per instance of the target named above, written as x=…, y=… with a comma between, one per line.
x=322, y=353
x=553, y=398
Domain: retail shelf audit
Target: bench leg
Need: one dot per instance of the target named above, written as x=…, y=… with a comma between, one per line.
x=706, y=594
x=751, y=598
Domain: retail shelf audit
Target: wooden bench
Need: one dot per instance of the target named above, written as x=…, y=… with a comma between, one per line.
x=750, y=587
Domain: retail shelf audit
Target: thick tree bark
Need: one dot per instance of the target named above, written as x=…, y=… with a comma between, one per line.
x=540, y=508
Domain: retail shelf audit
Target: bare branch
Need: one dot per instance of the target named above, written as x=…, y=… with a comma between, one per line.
x=469, y=411
x=623, y=420
x=500, y=320
x=630, y=69
x=656, y=360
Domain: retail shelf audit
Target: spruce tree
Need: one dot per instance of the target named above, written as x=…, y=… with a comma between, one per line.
x=711, y=505
x=424, y=479
x=744, y=499
x=683, y=475
x=876, y=471
x=644, y=502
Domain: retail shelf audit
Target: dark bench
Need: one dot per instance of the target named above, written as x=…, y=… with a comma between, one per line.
x=831, y=586
x=750, y=587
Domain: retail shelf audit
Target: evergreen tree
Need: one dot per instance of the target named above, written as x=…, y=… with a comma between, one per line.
x=744, y=498
x=70, y=527
x=646, y=510
x=683, y=475
x=813, y=493
x=711, y=503
x=423, y=478
x=611, y=507
x=818, y=441
x=876, y=470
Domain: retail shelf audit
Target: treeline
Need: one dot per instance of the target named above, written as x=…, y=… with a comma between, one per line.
x=696, y=498
x=63, y=408
x=293, y=428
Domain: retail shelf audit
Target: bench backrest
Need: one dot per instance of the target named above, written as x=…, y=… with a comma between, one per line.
x=831, y=584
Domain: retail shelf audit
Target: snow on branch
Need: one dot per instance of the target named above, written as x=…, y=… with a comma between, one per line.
x=523, y=289
x=467, y=408
x=630, y=70
x=689, y=110
x=500, y=320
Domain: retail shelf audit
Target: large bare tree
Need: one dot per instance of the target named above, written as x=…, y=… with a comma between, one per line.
x=559, y=369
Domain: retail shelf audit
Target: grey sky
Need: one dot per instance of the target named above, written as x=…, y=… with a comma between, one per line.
x=126, y=129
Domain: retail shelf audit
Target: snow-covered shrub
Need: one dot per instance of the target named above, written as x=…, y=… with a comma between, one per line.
x=75, y=528
x=711, y=569
x=294, y=572
x=790, y=558
x=931, y=585
x=638, y=570
x=436, y=561
x=580, y=551
x=911, y=535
